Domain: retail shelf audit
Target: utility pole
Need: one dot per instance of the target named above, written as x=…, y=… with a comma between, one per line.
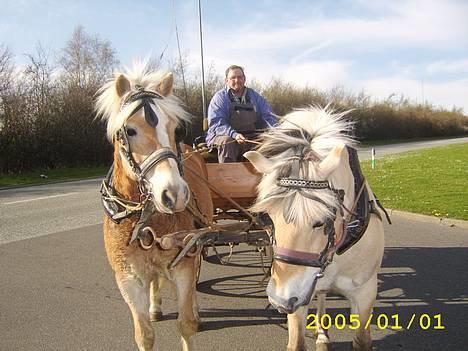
x=205, y=121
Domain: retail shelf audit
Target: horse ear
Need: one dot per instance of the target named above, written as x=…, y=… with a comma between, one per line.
x=165, y=87
x=331, y=162
x=122, y=85
x=260, y=162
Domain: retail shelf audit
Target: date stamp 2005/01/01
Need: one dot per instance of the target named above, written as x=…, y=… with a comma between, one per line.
x=382, y=321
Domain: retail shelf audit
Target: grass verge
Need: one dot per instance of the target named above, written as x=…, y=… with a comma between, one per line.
x=36, y=177
x=430, y=181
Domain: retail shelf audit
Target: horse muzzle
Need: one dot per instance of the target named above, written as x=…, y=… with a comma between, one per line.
x=284, y=304
x=172, y=199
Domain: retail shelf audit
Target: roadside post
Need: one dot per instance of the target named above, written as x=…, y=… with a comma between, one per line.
x=373, y=158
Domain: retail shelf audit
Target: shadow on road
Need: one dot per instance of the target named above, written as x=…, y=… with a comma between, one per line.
x=428, y=285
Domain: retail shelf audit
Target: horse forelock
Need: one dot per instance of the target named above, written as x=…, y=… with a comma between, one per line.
x=313, y=131
x=109, y=103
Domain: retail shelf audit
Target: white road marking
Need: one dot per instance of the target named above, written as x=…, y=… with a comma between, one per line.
x=38, y=198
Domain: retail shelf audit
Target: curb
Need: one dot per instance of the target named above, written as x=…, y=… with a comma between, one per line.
x=449, y=222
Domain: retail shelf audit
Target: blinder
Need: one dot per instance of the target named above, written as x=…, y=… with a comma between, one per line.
x=146, y=97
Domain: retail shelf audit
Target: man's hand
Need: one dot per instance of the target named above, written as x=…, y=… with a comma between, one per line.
x=240, y=138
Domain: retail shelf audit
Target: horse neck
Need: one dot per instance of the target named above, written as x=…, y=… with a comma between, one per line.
x=121, y=180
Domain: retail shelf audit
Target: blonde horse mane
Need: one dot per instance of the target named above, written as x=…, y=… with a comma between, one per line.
x=316, y=131
x=108, y=104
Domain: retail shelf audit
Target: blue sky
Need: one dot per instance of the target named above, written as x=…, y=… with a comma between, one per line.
x=415, y=48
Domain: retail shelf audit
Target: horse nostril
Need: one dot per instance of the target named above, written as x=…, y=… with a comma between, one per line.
x=167, y=200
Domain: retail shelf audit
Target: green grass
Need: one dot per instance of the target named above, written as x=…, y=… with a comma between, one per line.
x=34, y=177
x=432, y=181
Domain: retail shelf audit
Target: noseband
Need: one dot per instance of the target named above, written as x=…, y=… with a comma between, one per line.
x=116, y=207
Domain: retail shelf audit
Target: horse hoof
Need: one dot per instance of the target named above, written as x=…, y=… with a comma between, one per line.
x=156, y=316
x=323, y=347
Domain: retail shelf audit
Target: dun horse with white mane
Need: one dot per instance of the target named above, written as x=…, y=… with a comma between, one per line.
x=147, y=195
x=328, y=233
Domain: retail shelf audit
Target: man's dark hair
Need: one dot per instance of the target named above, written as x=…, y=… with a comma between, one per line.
x=233, y=67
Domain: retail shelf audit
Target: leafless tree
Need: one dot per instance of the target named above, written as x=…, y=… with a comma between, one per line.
x=86, y=60
x=38, y=79
x=6, y=69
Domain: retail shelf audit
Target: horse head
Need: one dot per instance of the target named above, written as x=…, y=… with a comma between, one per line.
x=142, y=116
x=305, y=175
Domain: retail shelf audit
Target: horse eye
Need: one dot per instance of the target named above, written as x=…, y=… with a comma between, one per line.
x=131, y=132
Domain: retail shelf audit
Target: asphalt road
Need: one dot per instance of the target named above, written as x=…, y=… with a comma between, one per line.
x=57, y=291
x=33, y=211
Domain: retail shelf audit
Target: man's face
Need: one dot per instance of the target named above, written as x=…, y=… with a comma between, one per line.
x=235, y=80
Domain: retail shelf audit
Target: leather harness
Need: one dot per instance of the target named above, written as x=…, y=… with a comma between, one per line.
x=352, y=227
x=115, y=205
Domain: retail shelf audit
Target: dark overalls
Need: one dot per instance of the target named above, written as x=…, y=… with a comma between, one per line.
x=243, y=119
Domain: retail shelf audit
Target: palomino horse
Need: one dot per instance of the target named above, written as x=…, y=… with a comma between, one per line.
x=308, y=189
x=148, y=195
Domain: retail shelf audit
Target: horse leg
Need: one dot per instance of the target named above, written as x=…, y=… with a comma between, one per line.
x=194, y=293
x=362, y=301
x=155, y=309
x=184, y=277
x=135, y=294
x=323, y=341
x=296, y=329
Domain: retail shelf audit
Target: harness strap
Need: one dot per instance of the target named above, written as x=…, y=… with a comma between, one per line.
x=146, y=97
x=295, y=257
x=146, y=213
x=156, y=157
x=302, y=183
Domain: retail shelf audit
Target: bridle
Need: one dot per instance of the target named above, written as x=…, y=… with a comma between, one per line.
x=293, y=181
x=117, y=207
x=353, y=224
x=303, y=258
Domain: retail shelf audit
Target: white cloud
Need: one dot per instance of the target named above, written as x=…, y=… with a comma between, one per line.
x=307, y=52
x=426, y=24
x=294, y=51
x=447, y=66
x=446, y=94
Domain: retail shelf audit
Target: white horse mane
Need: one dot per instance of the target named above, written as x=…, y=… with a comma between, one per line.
x=316, y=130
x=108, y=103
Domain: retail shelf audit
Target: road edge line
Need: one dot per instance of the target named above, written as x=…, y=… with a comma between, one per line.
x=449, y=222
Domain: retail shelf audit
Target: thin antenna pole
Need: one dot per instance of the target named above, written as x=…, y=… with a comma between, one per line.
x=202, y=64
x=180, y=54
x=181, y=66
